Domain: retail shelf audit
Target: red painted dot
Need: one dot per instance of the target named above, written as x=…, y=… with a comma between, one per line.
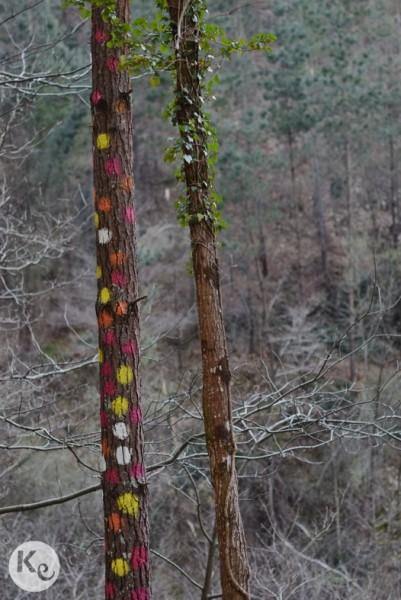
x=110, y=591
x=106, y=369
x=96, y=96
x=109, y=387
x=140, y=594
x=130, y=347
x=139, y=557
x=104, y=418
x=109, y=338
x=130, y=214
x=113, y=166
x=112, y=63
x=101, y=36
x=118, y=278
x=135, y=415
x=112, y=476
x=137, y=470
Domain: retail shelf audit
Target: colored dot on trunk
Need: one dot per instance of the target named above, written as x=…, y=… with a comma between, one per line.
x=135, y=415
x=121, y=308
x=130, y=214
x=98, y=272
x=130, y=347
x=114, y=522
x=120, y=431
x=105, y=319
x=120, y=567
x=110, y=591
x=139, y=557
x=112, y=476
x=118, y=279
x=128, y=503
x=95, y=97
x=104, y=204
x=119, y=406
x=105, y=295
x=96, y=220
x=137, y=470
x=109, y=338
x=102, y=141
x=104, y=235
x=140, y=594
x=127, y=183
x=117, y=258
x=100, y=356
x=125, y=375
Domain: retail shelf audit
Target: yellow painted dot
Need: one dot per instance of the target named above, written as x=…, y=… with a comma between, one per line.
x=120, y=567
x=100, y=355
x=105, y=295
x=96, y=220
x=119, y=406
x=125, y=375
x=98, y=272
x=102, y=141
x=128, y=503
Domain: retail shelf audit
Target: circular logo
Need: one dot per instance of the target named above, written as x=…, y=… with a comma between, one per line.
x=34, y=566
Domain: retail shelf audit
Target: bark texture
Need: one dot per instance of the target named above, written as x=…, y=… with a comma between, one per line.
x=123, y=479
x=234, y=566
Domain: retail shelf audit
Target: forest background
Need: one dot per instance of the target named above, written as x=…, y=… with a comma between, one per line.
x=308, y=168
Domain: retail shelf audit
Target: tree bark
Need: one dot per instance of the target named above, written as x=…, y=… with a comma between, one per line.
x=216, y=398
x=123, y=479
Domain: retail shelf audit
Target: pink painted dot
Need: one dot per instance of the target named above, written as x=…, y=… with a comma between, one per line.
x=118, y=278
x=104, y=418
x=109, y=337
x=139, y=557
x=140, y=594
x=101, y=36
x=112, y=63
x=130, y=347
x=135, y=415
x=96, y=96
x=113, y=166
x=137, y=470
x=109, y=387
x=130, y=214
x=112, y=476
x=106, y=370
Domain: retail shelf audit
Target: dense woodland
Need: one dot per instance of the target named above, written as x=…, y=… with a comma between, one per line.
x=308, y=170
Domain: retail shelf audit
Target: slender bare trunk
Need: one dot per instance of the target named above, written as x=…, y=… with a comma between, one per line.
x=234, y=567
x=123, y=479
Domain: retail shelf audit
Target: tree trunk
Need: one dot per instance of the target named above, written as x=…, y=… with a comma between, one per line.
x=123, y=479
x=234, y=566
x=297, y=210
x=393, y=194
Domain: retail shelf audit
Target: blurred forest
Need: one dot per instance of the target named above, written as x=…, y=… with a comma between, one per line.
x=309, y=170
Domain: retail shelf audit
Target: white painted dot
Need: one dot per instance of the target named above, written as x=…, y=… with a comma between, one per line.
x=120, y=431
x=104, y=235
x=123, y=455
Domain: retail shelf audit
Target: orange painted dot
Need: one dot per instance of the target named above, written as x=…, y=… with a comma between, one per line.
x=127, y=184
x=121, y=106
x=117, y=258
x=106, y=450
x=114, y=522
x=104, y=204
x=105, y=319
x=121, y=308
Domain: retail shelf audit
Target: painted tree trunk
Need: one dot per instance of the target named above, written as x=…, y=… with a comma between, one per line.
x=234, y=567
x=123, y=479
